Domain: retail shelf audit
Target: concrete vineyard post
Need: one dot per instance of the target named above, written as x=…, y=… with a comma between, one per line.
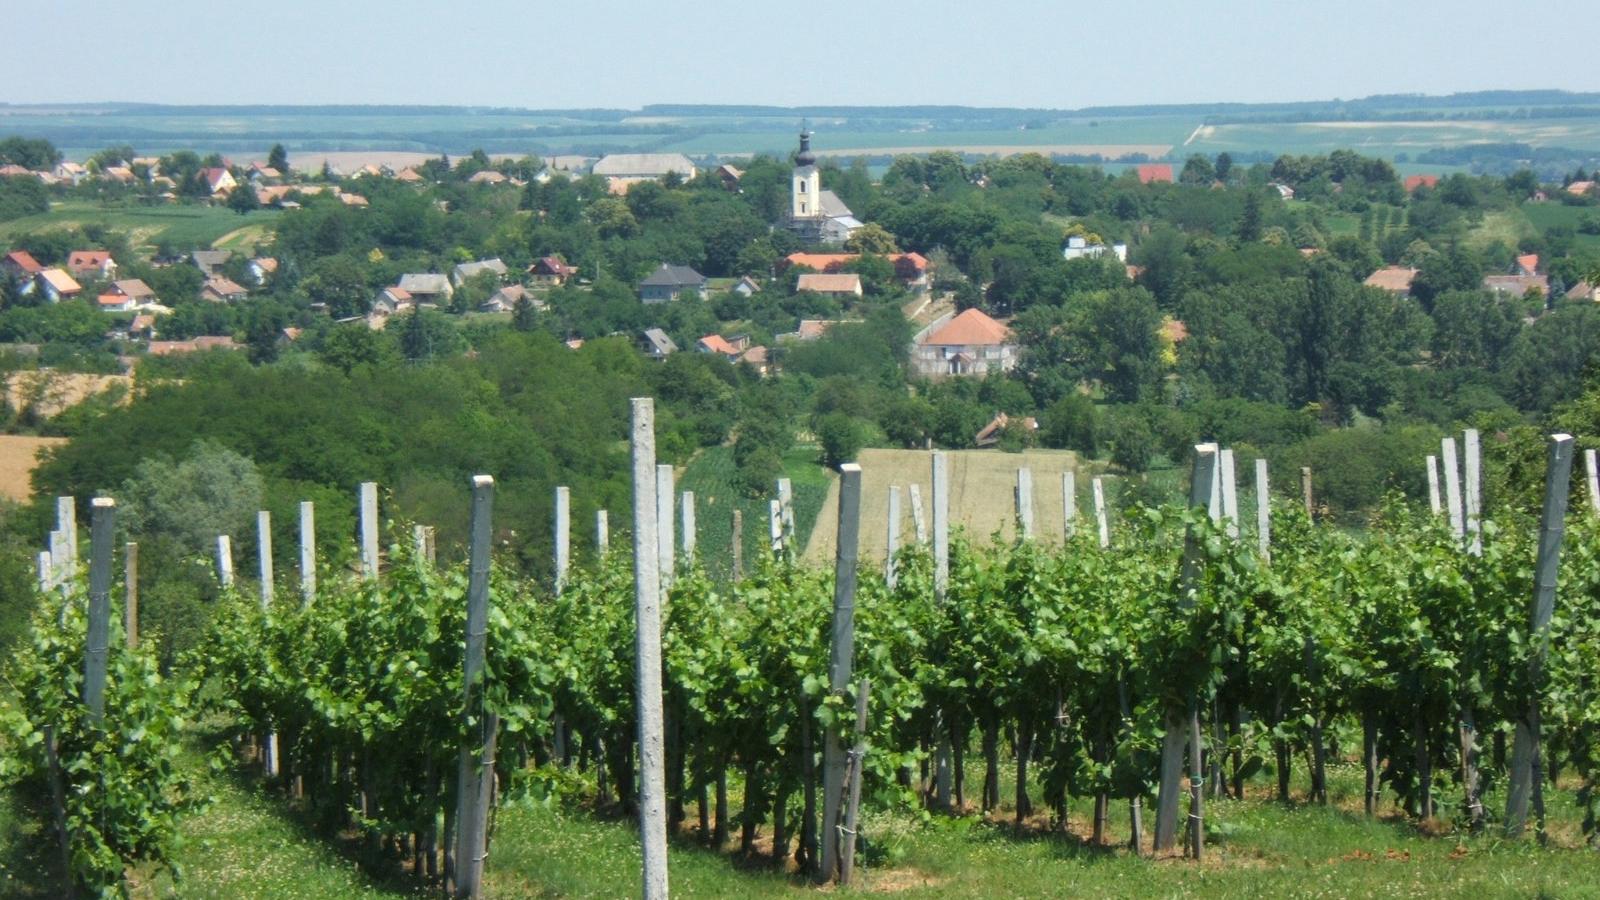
x=775, y=526
x=1102, y=520
x=892, y=539
x=841, y=663
x=269, y=744
x=1452, y=486
x=1263, y=511
x=264, y=555
x=688, y=527
x=1472, y=481
x=1025, y=504
x=941, y=525
x=308, y=552
x=46, y=571
x=130, y=605
x=1069, y=503
x=1434, y=504
x=647, y=650
x=60, y=564
x=1178, y=731
x=1230, y=495
x=225, y=561
x=102, y=527
x=1592, y=469
x=666, y=541
x=563, y=526
x=475, y=774
x=419, y=543
x=1305, y=492
x=1526, y=769
x=67, y=523
x=786, y=504
x=738, y=545
x=919, y=524
x=369, y=530
x=602, y=532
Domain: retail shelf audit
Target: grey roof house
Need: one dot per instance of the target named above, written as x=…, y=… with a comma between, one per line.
x=643, y=165
x=462, y=272
x=656, y=345
x=210, y=262
x=427, y=287
x=671, y=282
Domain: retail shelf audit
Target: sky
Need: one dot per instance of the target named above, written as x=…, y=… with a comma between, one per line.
x=627, y=53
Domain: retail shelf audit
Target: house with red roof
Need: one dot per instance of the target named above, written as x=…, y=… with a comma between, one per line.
x=20, y=264
x=1150, y=173
x=911, y=269
x=94, y=264
x=1527, y=264
x=967, y=345
x=550, y=271
x=218, y=180
x=1413, y=182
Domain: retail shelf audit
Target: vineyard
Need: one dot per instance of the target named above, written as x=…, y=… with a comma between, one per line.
x=1081, y=685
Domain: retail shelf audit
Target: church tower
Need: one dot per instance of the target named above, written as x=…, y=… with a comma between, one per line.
x=806, y=193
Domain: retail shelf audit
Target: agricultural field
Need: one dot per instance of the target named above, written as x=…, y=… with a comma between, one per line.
x=712, y=478
x=1547, y=215
x=147, y=226
x=18, y=458
x=1387, y=139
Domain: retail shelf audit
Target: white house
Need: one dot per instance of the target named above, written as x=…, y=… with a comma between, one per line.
x=1078, y=247
x=970, y=344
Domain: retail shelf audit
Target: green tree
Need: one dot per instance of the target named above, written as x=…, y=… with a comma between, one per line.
x=278, y=158
x=1198, y=170
x=1072, y=423
x=841, y=436
x=871, y=238
x=212, y=491
x=242, y=199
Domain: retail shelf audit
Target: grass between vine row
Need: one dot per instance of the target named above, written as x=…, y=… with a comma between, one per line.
x=249, y=844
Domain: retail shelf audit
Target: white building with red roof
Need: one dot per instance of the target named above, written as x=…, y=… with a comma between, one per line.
x=969, y=344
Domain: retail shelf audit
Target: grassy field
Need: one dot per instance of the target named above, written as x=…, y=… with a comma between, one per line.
x=183, y=226
x=1545, y=215
x=1390, y=138
x=712, y=477
x=247, y=845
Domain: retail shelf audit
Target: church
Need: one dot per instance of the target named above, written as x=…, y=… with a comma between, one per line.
x=816, y=215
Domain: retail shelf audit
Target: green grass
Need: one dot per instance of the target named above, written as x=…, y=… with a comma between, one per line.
x=713, y=478
x=1552, y=213
x=1390, y=138
x=146, y=226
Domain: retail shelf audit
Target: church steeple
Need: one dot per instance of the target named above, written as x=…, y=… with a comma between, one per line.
x=805, y=157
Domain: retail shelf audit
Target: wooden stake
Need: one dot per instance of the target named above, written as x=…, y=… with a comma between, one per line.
x=1526, y=772
x=368, y=498
x=647, y=649
x=1452, y=486
x=854, y=776
x=102, y=525
x=130, y=605
x=1101, y=519
x=892, y=538
x=475, y=773
x=308, y=552
x=1024, y=498
x=841, y=665
x=1434, y=505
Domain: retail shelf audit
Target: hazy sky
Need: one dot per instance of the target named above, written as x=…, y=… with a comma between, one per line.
x=624, y=53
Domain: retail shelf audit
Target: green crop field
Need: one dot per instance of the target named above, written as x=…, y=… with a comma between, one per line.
x=712, y=478
x=1547, y=215
x=182, y=226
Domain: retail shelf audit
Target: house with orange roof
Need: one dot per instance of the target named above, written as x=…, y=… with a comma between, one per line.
x=261, y=268
x=57, y=285
x=1581, y=188
x=969, y=344
x=1527, y=264
x=842, y=285
x=1413, y=182
x=910, y=268
x=95, y=264
x=1395, y=279
x=409, y=176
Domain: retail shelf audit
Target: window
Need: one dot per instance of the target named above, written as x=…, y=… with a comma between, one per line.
x=800, y=185
x=802, y=207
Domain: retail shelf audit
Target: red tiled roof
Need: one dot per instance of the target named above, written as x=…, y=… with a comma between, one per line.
x=1151, y=172
x=24, y=260
x=971, y=328
x=79, y=260
x=1415, y=181
x=716, y=343
x=1528, y=263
